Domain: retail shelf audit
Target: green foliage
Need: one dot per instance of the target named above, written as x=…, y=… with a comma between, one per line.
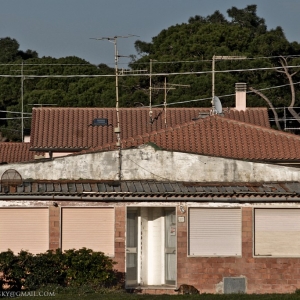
x=76, y=268
x=182, y=48
x=84, y=265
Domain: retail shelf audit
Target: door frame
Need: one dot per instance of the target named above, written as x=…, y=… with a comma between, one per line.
x=142, y=238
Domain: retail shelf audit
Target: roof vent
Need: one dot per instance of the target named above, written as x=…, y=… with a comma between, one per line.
x=100, y=122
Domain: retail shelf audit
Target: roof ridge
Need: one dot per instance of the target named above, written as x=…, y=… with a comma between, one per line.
x=251, y=125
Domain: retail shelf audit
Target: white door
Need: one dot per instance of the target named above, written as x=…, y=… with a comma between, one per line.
x=151, y=246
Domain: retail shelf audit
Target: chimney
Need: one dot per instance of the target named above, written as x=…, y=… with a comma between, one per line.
x=240, y=96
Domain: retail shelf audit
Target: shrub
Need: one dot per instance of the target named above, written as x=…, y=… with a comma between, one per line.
x=82, y=267
x=44, y=269
x=85, y=266
x=13, y=268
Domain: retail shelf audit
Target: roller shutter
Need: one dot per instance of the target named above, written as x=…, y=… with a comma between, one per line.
x=24, y=229
x=215, y=232
x=92, y=228
x=277, y=232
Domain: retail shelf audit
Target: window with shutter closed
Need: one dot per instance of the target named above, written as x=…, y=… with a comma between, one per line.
x=277, y=232
x=89, y=227
x=24, y=229
x=215, y=232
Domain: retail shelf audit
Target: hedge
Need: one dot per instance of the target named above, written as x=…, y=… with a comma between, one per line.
x=26, y=271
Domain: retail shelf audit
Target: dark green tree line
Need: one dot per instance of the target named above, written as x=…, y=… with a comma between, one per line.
x=183, y=48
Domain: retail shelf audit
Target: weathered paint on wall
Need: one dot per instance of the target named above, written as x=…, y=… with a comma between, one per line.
x=147, y=163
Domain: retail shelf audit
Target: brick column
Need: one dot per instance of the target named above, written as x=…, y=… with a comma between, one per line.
x=182, y=259
x=54, y=227
x=120, y=225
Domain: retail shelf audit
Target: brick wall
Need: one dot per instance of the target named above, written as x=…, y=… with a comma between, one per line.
x=263, y=275
x=54, y=227
x=120, y=219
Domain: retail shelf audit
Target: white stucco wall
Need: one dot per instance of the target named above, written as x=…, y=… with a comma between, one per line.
x=148, y=163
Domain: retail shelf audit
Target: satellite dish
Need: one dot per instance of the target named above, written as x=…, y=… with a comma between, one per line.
x=217, y=104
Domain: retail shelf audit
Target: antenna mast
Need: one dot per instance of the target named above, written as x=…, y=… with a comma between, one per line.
x=150, y=91
x=117, y=129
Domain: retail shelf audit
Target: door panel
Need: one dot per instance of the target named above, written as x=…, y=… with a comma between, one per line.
x=131, y=247
x=170, y=246
x=151, y=237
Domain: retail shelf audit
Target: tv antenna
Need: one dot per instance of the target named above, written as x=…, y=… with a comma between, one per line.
x=117, y=129
x=150, y=91
x=167, y=87
x=23, y=77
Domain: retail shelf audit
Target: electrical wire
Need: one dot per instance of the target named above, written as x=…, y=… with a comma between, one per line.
x=143, y=63
x=222, y=96
x=167, y=179
x=146, y=74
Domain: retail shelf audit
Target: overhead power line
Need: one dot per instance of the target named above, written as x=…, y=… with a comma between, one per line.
x=222, y=96
x=148, y=74
x=143, y=63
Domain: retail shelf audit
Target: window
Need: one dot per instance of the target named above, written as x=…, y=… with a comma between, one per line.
x=24, y=228
x=90, y=227
x=215, y=232
x=277, y=232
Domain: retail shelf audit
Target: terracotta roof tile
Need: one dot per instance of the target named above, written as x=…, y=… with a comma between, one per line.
x=57, y=128
x=15, y=152
x=223, y=137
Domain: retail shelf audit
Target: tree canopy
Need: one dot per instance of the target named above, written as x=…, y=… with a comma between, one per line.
x=179, y=55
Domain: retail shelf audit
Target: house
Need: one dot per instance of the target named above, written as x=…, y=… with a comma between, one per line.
x=59, y=131
x=11, y=152
x=178, y=215
x=209, y=200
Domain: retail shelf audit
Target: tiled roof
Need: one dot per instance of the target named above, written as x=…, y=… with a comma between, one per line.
x=222, y=137
x=15, y=152
x=69, y=129
x=154, y=190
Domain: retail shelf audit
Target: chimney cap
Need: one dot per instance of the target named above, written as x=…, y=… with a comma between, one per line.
x=240, y=86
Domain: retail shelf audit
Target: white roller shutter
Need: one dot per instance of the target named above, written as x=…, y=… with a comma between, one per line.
x=277, y=232
x=215, y=232
x=92, y=228
x=24, y=229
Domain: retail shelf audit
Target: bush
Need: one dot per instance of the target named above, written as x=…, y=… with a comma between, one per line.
x=85, y=266
x=82, y=267
x=13, y=269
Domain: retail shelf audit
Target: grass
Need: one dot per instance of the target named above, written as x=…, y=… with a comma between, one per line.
x=124, y=295
x=85, y=292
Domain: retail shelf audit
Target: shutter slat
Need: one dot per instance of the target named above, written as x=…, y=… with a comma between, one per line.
x=215, y=232
x=92, y=228
x=277, y=232
x=24, y=229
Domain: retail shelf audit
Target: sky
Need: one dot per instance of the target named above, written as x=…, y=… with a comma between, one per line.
x=60, y=28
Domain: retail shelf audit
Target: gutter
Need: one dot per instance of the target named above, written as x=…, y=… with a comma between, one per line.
x=149, y=199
